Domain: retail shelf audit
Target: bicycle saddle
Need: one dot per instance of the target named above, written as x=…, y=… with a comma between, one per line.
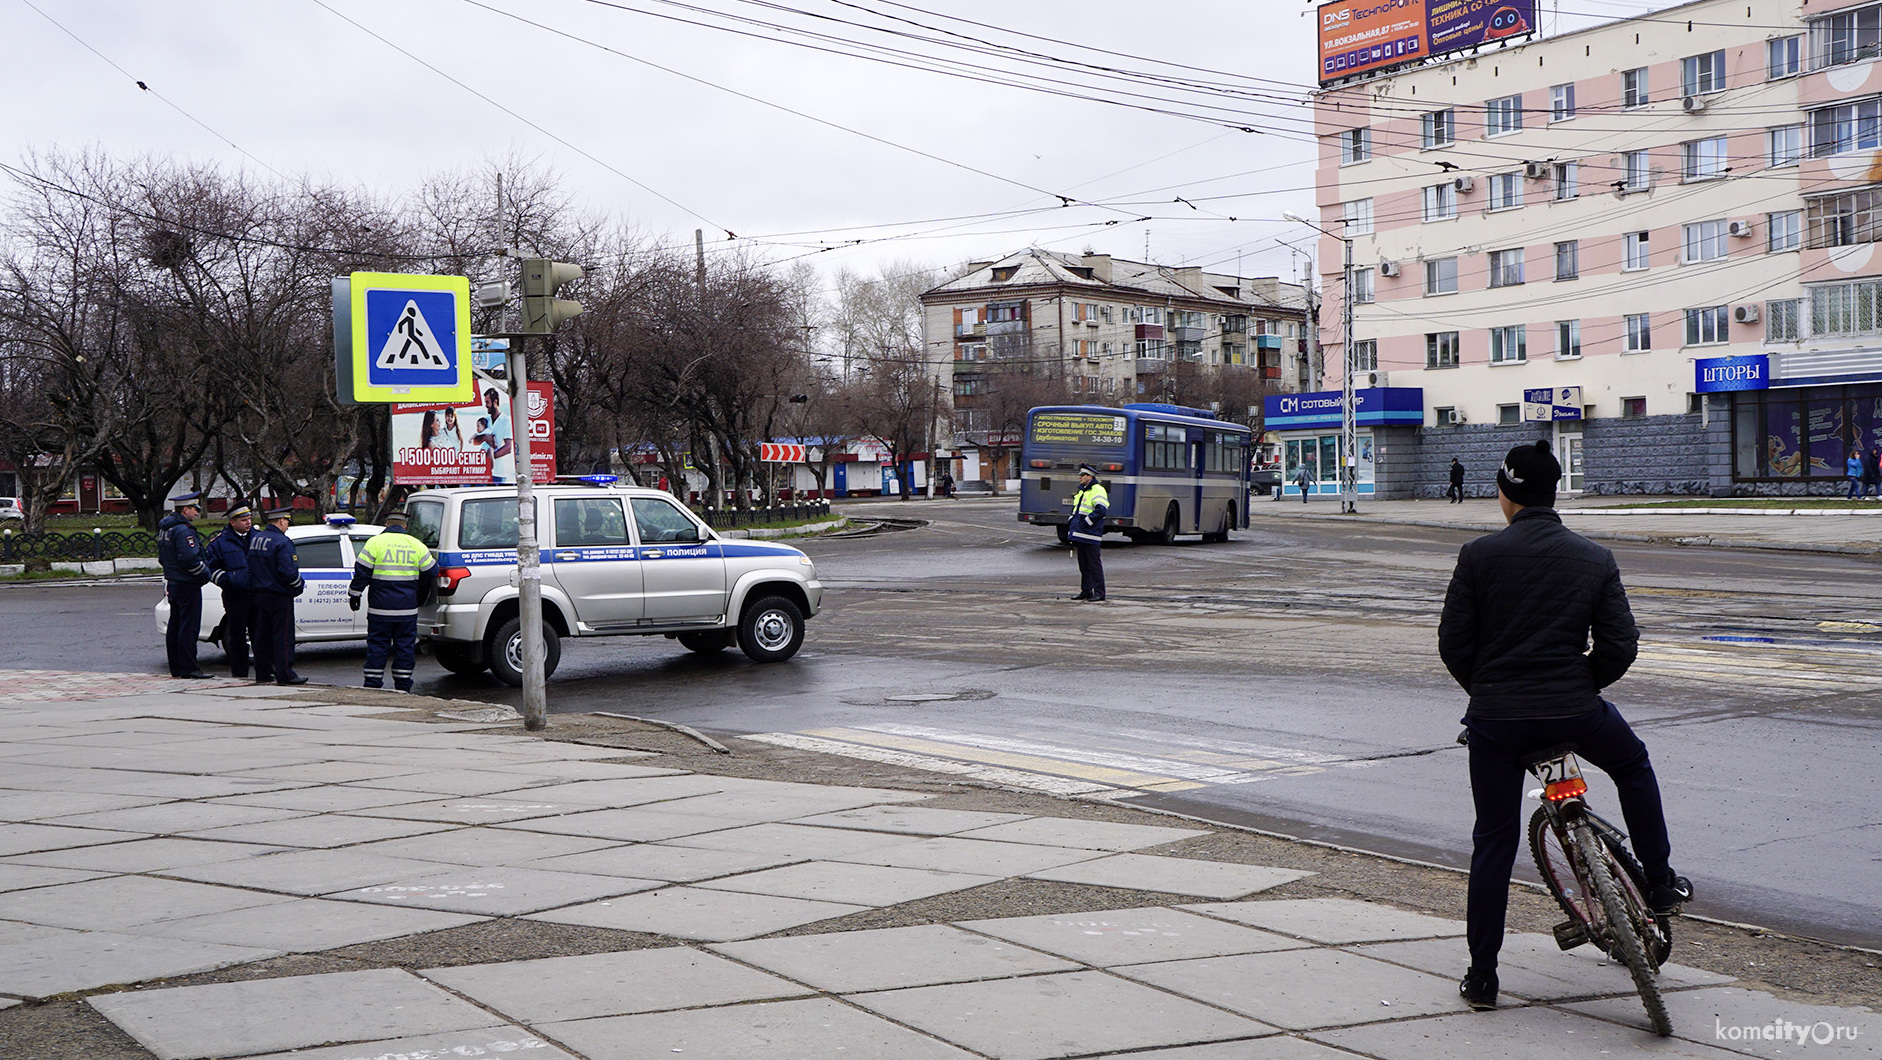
x=1534, y=758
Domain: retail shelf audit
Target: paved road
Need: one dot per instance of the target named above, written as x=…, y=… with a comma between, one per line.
x=1287, y=679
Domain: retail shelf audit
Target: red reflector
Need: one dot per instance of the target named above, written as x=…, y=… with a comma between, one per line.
x=449, y=577
x=1041, y=463
x=1114, y=467
x=1565, y=789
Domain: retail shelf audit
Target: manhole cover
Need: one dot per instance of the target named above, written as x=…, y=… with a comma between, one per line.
x=965, y=694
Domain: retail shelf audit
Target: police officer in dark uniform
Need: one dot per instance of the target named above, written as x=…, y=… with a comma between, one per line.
x=274, y=574
x=228, y=557
x=180, y=553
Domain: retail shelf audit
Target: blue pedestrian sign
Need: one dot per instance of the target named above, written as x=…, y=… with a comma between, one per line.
x=411, y=338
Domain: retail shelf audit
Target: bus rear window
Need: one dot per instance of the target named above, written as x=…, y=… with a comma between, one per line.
x=1082, y=430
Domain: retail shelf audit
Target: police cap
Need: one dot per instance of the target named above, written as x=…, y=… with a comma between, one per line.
x=240, y=511
x=1087, y=469
x=395, y=519
x=279, y=513
x=187, y=500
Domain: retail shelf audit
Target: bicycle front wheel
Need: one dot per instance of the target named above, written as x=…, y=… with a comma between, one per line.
x=1623, y=919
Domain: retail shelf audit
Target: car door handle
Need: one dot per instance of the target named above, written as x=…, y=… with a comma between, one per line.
x=568, y=555
x=653, y=553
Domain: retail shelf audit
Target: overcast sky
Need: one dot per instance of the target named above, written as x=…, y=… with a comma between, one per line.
x=292, y=86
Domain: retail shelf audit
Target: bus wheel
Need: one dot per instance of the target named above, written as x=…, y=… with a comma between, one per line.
x=1219, y=536
x=1171, y=520
x=1065, y=533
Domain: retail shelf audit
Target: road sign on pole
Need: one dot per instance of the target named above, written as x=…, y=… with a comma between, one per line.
x=777, y=453
x=409, y=337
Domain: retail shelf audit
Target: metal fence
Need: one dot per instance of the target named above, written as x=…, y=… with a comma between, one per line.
x=732, y=518
x=17, y=547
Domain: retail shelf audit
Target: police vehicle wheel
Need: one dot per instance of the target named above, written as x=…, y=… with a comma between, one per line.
x=772, y=630
x=505, y=651
x=706, y=643
x=465, y=659
x=1065, y=533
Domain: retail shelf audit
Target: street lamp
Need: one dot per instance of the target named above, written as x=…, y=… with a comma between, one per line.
x=1349, y=414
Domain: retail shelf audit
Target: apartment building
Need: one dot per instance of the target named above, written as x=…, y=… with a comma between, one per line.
x=1039, y=327
x=1651, y=241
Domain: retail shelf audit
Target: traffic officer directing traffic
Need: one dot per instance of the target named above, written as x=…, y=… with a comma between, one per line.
x=274, y=574
x=228, y=566
x=180, y=553
x=395, y=572
x=1086, y=532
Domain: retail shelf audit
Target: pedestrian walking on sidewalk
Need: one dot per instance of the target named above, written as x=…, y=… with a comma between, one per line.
x=1872, y=471
x=1457, y=481
x=185, y=571
x=1522, y=605
x=274, y=573
x=1086, y=532
x=228, y=564
x=396, y=573
x=1852, y=470
x=1304, y=479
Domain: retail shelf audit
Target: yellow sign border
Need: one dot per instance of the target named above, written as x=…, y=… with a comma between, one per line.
x=368, y=393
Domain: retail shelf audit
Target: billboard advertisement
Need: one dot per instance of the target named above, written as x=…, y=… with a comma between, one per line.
x=1358, y=36
x=453, y=444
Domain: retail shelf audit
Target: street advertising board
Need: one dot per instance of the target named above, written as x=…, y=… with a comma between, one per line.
x=465, y=444
x=1103, y=430
x=1717, y=375
x=1324, y=409
x=1550, y=403
x=1359, y=36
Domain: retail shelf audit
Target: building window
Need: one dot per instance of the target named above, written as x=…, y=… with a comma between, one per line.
x=1634, y=87
x=1705, y=241
x=1437, y=128
x=1105, y=312
x=1356, y=144
x=1509, y=415
x=1365, y=355
x=1441, y=276
x=1441, y=349
x=1639, y=332
x=1568, y=260
x=1506, y=191
x=1362, y=285
x=1846, y=36
x=1700, y=74
x=1506, y=267
x=1567, y=339
x=1441, y=202
x=1509, y=345
x=1503, y=115
x=1846, y=308
x=1634, y=252
x=1444, y=416
x=1704, y=159
x=1781, y=320
x=1635, y=176
x=1567, y=180
x=1633, y=408
x=1849, y=127
x=1707, y=326
x=1845, y=220
x=1784, y=231
x=1785, y=145
x=1781, y=57
x=1562, y=102
x=1358, y=217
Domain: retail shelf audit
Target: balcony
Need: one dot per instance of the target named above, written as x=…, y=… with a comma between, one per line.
x=1270, y=371
x=1235, y=325
x=1153, y=332
x=1188, y=334
x=967, y=331
x=1151, y=365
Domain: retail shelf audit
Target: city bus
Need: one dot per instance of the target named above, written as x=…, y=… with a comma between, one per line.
x=1169, y=470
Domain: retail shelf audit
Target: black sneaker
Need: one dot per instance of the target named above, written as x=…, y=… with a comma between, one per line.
x=1666, y=898
x=1478, y=990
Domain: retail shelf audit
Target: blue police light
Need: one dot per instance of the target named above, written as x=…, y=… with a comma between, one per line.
x=341, y=521
x=600, y=480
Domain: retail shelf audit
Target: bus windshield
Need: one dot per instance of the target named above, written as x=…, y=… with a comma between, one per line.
x=1081, y=430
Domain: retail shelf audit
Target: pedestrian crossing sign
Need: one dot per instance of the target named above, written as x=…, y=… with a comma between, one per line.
x=411, y=338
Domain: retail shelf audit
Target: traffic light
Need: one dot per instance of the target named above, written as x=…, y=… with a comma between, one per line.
x=542, y=310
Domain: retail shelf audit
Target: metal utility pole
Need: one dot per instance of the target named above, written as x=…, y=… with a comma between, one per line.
x=528, y=555
x=1349, y=413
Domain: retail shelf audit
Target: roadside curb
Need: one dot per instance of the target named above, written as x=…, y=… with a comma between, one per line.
x=1633, y=537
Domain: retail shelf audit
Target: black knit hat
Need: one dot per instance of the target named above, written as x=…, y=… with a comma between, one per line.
x=1529, y=474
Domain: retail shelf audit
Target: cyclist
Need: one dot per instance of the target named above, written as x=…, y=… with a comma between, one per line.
x=1521, y=609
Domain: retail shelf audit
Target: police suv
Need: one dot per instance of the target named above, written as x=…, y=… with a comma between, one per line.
x=615, y=560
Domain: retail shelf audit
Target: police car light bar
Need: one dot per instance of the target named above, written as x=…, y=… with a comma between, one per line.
x=341, y=520
x=600, y=480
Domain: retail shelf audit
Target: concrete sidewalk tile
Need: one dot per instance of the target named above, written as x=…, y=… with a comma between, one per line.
x=7, y=1003
x=86, y=960
x=486, y=846
x=692, y=913
x=1338, y=921
x=443, y=781
x=660, y=861
x=146, y=855
x=23, y=877
x=328, y=798
x=1088, y=835
x=14, y=932
x=1152, y=872
x=910, y=820
x=496, y=891
x=171, y=818
x=1735, y=1019
x=308, y=872
x=320, y=830
x=1132, y=936
x=48, y=805
x=1056, y=1015
x=37, y=838
x=332, y=772
x=611, y=984
x=469, y=811
x=1277, y=1047
x=891, y=958
x=305, y=925
x=834, y=881
x=981, y=856
x=630, y=825
x=794, y=840
x=815, y=1029
x=116, y=902
x=1298, y=989
x=488, y=1041
x=810, y=799
x=272, y=1015
x=566, y=771
x=1529, y=1032
x=1534, y=967
x=664, y=786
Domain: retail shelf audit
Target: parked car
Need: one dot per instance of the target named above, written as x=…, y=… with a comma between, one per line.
x=320, y=612
x=10, y=509
x=615, y=561
x=1263, y=479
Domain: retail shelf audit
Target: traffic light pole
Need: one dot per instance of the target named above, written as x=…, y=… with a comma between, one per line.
x=528, y=554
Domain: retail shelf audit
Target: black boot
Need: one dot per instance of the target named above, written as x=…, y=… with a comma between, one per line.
x=1478, y=989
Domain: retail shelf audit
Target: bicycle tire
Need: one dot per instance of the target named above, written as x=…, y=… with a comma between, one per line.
x=1659, y=938
x=1620, y=922
x=1555, y=864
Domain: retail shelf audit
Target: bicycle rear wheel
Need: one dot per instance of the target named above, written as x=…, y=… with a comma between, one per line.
x=1556, y=864
x=1624, y=920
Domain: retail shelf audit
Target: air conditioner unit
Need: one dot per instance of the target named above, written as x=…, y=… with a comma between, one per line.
x=1693, y=104
x=1388, y=268
x=1463, y=184
x=1369, y=380
x=1536, y=170
x=1457, y=416
x=1745, y=314
x=1739, y=228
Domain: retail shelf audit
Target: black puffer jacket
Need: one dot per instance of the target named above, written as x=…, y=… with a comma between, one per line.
x=1518, y=616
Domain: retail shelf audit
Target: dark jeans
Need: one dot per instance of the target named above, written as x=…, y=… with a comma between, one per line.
x=274, y=634
x=1603, y=739
x=397, y=637
x=1457, y=493
x=238, y=632
x=1090, y=568
x=1855, y=488
x=186, y=624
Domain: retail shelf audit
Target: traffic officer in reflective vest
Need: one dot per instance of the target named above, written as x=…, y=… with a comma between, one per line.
x=1086, y=532
x=396, y=573
x=274, y=574
x=228, y=566
x=180, y=553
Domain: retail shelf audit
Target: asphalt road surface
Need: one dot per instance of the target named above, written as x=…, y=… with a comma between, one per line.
x=1287, y=679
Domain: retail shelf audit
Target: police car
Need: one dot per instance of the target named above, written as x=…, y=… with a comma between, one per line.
x=326, y=556
x=616, y=560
